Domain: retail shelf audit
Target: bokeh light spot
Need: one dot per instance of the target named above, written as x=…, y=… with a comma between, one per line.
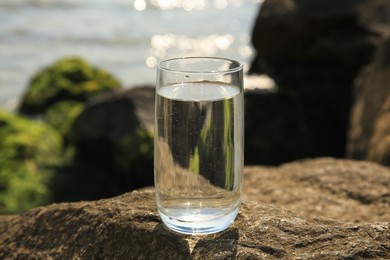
x=139, y=5
x=151, y=61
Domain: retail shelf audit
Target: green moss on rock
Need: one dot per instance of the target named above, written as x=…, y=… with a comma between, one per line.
x=28, y=151
x=61, y=115
x=67, y=79
x=133, y=149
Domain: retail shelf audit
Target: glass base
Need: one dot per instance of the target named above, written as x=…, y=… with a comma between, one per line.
x=199, y=222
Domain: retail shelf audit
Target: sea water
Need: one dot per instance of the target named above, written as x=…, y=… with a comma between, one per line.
x=199, y=155
x=123, y=40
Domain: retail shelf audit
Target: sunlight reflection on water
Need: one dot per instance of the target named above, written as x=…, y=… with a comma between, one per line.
x=199, y=46
x=126, y=37
x=188, y=5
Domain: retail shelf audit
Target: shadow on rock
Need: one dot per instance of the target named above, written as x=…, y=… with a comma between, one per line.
x=216, y=246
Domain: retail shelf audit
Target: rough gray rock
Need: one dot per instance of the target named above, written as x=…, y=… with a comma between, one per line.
x=128, y=227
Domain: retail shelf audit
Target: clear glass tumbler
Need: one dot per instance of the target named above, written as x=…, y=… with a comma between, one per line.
x=199, y=143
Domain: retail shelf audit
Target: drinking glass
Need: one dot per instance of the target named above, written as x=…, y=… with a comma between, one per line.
x=199, y=139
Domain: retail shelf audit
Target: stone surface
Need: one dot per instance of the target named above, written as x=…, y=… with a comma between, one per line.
x=344, y=190
x=379, y=146
x=369, y=133
x=318, y=38
x=68, y=79
x=316, y=50
x=112, y=140
x=274, y=128
x=128, y=226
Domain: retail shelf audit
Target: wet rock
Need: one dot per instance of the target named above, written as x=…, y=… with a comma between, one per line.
x=316, y=50
x=369, y=133
x=128, y=226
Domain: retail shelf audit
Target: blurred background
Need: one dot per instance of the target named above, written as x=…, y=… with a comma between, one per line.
x=126, y=37
x=77, y=86
x=56, y=56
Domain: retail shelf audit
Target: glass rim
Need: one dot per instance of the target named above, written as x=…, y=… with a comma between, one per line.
x=237, y=68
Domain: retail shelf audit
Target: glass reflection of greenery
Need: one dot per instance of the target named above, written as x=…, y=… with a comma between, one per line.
x=207, y=144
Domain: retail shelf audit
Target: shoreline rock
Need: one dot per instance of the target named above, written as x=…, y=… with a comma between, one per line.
x=112, y=144
x=128, y=227
x=345, y=190
x=316, y=51
x=369, y=131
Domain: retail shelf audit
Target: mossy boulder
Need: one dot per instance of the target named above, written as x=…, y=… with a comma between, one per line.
x=67, y=79
x=59, y=91
x=62, y=114
x=28, y=152
x=112, y=146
